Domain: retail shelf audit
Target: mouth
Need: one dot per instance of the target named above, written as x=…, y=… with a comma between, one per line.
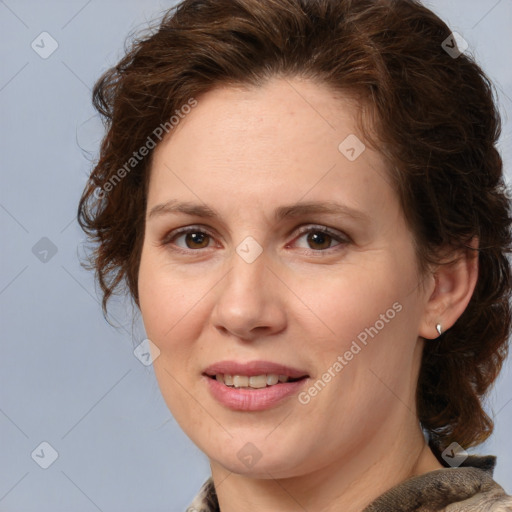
x=253, y=381
x=253, y=374
x=253, y=386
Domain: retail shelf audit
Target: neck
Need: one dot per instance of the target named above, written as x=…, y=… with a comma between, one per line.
x=349, y=484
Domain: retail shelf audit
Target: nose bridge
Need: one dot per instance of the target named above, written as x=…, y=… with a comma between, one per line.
x=247, y=299
x=247, y=276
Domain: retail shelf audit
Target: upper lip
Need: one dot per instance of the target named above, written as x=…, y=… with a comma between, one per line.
x=252, y=368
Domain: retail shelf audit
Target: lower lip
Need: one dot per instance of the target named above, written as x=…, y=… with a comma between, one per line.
x=239, y=399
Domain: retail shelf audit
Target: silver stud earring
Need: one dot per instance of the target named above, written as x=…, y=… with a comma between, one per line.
x=439, y=330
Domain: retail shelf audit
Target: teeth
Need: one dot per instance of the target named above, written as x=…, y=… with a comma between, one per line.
x=272, y=379
x=240, y=381
x=256, y=381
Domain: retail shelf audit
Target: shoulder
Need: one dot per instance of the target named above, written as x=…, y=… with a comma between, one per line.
x=468, y=488
x=205, y=500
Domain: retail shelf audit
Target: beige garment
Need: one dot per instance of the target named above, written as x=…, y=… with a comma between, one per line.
x=468, y=488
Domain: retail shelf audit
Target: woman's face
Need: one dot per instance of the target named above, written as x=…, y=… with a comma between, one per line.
x=296, y=261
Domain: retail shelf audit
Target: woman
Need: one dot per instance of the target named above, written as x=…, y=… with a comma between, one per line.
x=306, y=203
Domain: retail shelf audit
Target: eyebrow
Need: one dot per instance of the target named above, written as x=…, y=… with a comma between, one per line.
x=281, y=213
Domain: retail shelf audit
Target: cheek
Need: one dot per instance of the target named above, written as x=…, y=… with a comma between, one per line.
x=364, y=328
x=344, y=304
x=168, y=300
x=170, y=311
x=375, y=324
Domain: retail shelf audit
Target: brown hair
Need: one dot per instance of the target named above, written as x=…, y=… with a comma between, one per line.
x=436, y=122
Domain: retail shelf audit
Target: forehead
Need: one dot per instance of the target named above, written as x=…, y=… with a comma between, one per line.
x=277, y=117
x=286, y=140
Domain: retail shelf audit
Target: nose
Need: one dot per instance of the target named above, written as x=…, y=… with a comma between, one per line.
x=250, y=301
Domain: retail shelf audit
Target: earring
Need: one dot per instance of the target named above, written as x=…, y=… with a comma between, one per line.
x=439, y=330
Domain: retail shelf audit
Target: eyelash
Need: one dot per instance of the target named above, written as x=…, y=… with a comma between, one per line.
x=173, y=235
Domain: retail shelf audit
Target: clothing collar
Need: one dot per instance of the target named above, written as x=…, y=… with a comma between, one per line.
x=470, y=484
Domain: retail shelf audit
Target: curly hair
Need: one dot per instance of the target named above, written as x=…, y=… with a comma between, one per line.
x=436, y=122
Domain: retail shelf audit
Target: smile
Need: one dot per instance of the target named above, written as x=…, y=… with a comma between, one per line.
x=253, y=382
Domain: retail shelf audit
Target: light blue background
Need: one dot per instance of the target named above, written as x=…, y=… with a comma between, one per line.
x=67, y=377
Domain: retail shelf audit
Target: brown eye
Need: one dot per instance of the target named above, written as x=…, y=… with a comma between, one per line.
x=188, y=239
x=196, y=240
x=318, y=240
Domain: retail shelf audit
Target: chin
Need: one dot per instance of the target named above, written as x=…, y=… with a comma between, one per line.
x=258, y=458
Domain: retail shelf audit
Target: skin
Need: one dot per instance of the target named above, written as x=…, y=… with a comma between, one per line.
x=302, y=302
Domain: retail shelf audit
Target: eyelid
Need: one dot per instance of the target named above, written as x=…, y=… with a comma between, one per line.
x=166, y=240
x=339, y=236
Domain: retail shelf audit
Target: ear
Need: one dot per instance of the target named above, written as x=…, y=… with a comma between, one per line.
x=453, y=286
